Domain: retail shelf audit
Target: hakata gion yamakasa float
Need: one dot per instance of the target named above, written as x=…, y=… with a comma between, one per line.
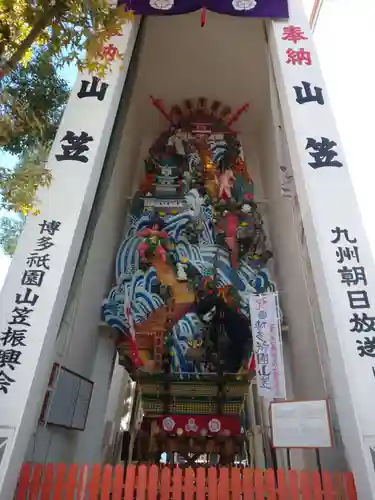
x=194, y=251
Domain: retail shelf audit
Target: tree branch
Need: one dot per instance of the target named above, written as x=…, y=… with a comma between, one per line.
x=38, y=27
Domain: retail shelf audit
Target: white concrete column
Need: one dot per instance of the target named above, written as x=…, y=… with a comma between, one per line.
x=342, y=264
x=35, y=291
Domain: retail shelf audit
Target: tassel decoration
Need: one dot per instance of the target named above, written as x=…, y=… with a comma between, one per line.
x=203, y=16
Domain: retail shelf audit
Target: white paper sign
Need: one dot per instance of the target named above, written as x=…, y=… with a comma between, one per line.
x=301, y=424
x=267, y=346
x=277, y=359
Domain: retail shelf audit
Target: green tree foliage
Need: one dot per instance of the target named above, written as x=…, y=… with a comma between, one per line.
x=64, y=27
x=18, y=186
x=65, y=32
x=10, y=231
x=35, y=90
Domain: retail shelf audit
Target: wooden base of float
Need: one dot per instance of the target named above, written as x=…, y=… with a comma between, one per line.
x=152, y=441
x=194, y=395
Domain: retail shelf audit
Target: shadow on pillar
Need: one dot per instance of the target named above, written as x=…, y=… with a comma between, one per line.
x=125, y=448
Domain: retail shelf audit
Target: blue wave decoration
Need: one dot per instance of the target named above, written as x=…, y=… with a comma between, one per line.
x=188, y=328
x=143, y=287
x=143, y=300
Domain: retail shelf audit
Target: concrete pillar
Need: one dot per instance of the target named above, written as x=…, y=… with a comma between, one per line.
x=341, y=259
x=35, y=291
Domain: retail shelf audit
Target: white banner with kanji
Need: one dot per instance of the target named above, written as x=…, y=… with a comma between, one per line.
x=267, y=343
x=342, y=263
x=35, y=291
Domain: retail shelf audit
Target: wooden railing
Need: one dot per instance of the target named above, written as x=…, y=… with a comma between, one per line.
x=74, y=482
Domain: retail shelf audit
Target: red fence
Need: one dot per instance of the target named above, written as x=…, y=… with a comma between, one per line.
x=73, y=482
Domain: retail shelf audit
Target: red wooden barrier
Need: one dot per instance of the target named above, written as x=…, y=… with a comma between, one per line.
x=59, y=482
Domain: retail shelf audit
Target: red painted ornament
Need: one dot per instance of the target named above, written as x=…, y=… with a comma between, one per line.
x=203, y=16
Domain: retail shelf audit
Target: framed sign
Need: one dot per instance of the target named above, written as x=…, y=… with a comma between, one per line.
x=67, y=400
x=370, y=444
x=6, y=435
x=372, y=451
x=301, y=424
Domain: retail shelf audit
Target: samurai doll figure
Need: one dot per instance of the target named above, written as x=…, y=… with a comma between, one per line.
x=155, y=241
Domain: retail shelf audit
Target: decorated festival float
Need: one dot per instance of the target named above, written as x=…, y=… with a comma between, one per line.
x=194, y=251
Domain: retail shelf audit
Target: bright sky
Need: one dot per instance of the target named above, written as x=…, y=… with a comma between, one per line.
x=349, y=80
x=7, y=160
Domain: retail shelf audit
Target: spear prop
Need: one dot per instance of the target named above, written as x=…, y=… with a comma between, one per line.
x=159, y=106
x=238, y=113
